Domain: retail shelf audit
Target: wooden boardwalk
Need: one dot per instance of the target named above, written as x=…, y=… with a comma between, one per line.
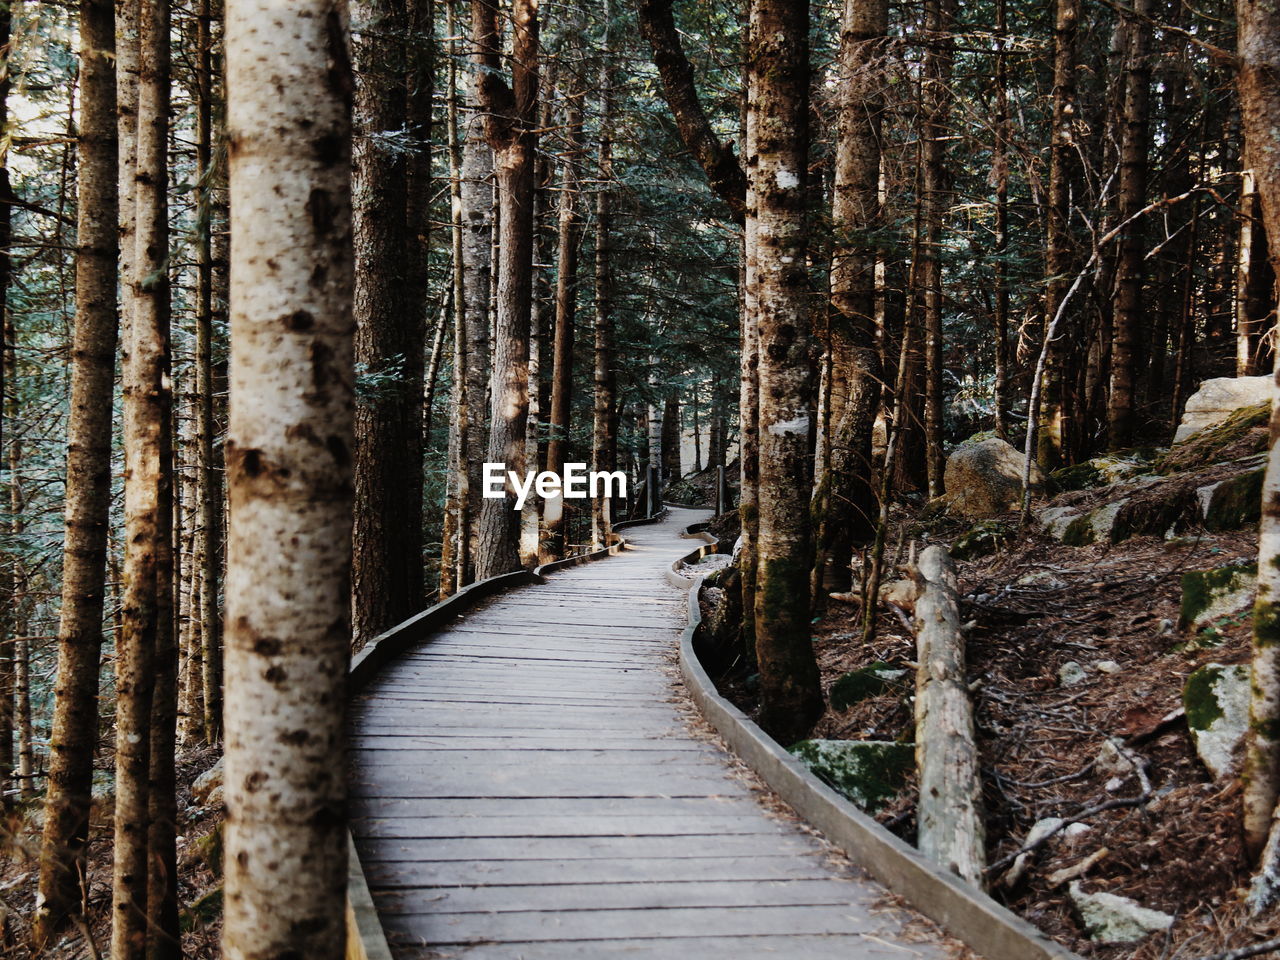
x=528, y=786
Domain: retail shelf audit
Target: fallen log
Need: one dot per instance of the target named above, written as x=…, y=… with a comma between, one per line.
x=949, y=813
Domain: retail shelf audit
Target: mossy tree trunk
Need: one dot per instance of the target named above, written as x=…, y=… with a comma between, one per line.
x=778, y=71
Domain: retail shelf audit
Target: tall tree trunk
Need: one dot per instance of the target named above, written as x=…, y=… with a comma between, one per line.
x=1051, y=435
x=19, y=589
x=1000, y=162
x=671, y=436
x=289, y=453
x=453, y=550
x=1259, y=52
x=144, y=907
x=778, y=65
x=604, y=437
x=6, y=236
x=387, y=564
x=210, y=307
x=846, y=495
x=478, y=283
x=569, y=235
x=1129, y=313
x=510, y=114
x=1255, y=281
x=88, y=480
x=936, y=95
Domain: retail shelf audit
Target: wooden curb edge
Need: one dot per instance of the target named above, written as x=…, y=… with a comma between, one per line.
x=968, y=914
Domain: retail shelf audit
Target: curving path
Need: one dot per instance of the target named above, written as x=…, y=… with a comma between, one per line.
x=531, y=784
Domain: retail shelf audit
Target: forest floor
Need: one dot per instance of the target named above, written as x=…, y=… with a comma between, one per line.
x=199, y=876
x=1113, y=609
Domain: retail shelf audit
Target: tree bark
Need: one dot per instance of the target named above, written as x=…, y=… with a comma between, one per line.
x=1259, y=64
x=510, y=115
x=1051, y=431
x=845, y=495
x=1000, y=163
x=390, y=331
x=453, y=550
x=555, y=515
x=778, y=65
x=289, y=453
x=951, y=831
x=477, y=282
x=74, y=734
x=1255, y=281
x=604, y=445
x=936, y=95
x=1129, y=313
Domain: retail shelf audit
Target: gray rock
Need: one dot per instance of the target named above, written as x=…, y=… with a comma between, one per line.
x=983, y=478
x=1210, y=595
x=1216, y=698
x=1108, y=918
x=206, y=789
x=1112, y=761
x=1217, y=399
x=1071, y=673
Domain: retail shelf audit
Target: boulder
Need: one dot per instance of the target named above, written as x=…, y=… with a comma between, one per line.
x=983, y=478
x=1218, y=399
x=870, y=681
x=1210, y=595
x=1216, y=698
x=868, y=772
x=1104, y=471
x=1108, y=918
x=206, y=789
x=982, y=539
x=1232, y=503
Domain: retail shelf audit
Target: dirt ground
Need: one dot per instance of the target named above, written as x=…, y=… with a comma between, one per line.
x=1034, y=607
x=199, y=887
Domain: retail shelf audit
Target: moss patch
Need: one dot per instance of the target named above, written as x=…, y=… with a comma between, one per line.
x=1209, y=594
x=1241, y=434
x=982, y=539
x=1236, y=502
x=869, y=772
x=201, y=912
x=871, y=681
x=1199, y=699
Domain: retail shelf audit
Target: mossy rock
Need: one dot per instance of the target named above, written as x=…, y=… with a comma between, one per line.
x=1096, y=526
x=1210, y=595
x=209, y=849
x=1104, y=471
x=202, y=912
x=1233, y=503
x=1240, y=435
x=1216, y=698
x=870, y=681
x=982, y=539
x=869, y=772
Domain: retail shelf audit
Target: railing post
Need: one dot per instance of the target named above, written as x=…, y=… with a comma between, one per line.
x=722, y=491
x=655, y=498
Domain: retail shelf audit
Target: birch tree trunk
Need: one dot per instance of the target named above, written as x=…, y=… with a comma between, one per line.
x=1259, y=52
x=790, y=693
x=510, y=114
x=289, y=467
x=453, y=549
x=74, y=734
